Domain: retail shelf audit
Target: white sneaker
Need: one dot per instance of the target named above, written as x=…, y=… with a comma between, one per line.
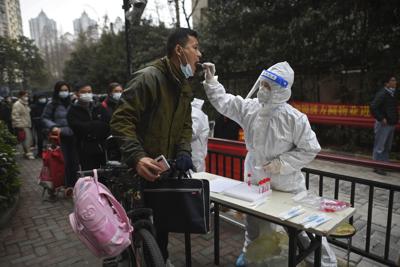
x=168, y=263
x=29, y=155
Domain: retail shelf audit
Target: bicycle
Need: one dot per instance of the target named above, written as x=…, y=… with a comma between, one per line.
x=144, y=250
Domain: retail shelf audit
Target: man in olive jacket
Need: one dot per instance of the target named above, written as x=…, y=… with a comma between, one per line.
x=154, y=113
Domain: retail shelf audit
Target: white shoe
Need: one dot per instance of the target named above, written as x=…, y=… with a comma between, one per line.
x=29, y=155
x=168, y=263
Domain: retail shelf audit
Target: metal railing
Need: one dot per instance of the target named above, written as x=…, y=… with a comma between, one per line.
x=231, y=164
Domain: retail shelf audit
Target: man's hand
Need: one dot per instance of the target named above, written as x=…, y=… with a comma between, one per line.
x=148, y=169
x=209, y=72
x=55, y=132
x=273, y=167
x=184, y=163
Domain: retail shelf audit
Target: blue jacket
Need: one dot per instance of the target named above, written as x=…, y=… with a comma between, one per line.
x=55, y=115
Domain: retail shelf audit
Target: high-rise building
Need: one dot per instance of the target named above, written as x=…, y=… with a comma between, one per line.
x=86, y=25
x=201, y=6
x=10, y=18
x=43, y=31
x=118, y=25
x=44, y=34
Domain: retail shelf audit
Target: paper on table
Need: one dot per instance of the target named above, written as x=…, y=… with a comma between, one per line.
x=220, y=185
x=244, y=192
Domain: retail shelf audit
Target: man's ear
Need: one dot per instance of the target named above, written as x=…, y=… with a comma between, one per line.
x=178, y=50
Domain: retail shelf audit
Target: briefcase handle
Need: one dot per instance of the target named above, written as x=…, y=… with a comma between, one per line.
x=174, y=173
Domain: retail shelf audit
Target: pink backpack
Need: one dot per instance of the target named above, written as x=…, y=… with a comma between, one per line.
x=98, y=219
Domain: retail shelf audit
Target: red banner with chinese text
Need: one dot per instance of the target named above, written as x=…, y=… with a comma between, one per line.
x=337, y=114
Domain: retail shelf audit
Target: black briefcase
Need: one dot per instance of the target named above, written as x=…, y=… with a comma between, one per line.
x=179, y=205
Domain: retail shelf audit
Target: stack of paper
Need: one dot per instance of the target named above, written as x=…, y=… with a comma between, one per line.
x=244, y=192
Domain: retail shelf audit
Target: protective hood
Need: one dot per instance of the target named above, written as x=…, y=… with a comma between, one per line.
x=280, y=78
x=197, y=103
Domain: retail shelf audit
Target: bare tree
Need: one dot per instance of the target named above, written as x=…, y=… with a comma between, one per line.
x=187, y=17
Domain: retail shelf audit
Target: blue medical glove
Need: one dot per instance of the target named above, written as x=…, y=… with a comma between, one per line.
x=184, y=162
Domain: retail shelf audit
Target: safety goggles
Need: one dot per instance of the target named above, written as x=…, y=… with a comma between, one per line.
x=274, y=77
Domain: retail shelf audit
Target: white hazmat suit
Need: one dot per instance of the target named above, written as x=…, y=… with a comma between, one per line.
x=278, y=137
x=200, y=130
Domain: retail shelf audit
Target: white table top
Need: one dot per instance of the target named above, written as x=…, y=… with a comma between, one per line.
x=275, y=204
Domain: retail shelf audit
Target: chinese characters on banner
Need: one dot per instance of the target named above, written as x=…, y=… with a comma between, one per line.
x=338, y=110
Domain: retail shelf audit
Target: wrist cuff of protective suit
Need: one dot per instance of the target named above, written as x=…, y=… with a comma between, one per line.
x=212, y=81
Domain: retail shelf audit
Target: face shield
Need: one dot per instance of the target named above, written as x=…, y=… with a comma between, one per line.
x=269, y=77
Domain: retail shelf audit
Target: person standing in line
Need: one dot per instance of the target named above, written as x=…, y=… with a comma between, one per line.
x=21, y=122
x=153, y=117
x=384, y=109
x=88, y=121
x=5, y=112
x=54, y=120
x=37, y=107
x=201, y=129
x=114, y=94
x=279, y=140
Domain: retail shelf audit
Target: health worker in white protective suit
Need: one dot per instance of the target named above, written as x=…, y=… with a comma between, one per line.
x=279, y=140
x=200, y=130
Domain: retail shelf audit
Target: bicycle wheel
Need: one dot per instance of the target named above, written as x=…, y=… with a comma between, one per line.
x=125, y=259
x=146, y=251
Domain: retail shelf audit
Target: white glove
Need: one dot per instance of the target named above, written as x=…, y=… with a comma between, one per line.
x=209, y=72
x=273, y=166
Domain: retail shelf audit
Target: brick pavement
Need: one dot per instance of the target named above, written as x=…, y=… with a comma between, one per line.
x=39, y=233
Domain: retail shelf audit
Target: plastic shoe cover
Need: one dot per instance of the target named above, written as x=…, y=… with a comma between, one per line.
x=241, y=260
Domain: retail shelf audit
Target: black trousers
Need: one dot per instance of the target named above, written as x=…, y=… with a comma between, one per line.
x=70, y=160
x=162, y=241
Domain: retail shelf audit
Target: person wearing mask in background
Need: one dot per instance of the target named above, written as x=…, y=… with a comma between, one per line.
x=200, y=132
x=384, y=109
x=278, y=137
x=37, y=107
x=54, y=120
x=153, y=117
x=21, y=122
x=88, y=120
x=5, y=112
x=114, y=94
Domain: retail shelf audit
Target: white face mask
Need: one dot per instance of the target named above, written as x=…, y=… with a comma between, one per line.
x=186, y=69
x=264, y=95
x=63, y=94
x=88, y=97
x=25, y=98
x=42, y=100
x=116, y=96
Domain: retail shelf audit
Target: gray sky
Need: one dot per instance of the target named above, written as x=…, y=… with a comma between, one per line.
x=65, y=11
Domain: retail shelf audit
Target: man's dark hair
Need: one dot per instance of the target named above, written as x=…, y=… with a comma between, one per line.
x=179, y=36
x=79, y=85
x=111, y=86
x=386, y=78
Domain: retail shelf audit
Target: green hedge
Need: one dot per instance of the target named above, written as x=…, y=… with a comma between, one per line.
x=9, y=181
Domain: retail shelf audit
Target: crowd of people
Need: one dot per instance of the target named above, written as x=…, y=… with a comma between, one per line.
x=157, y=115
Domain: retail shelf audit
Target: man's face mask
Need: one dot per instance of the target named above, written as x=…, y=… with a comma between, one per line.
x=87, y=97
x=116, y=96
x=42, y=100
x=186, y=69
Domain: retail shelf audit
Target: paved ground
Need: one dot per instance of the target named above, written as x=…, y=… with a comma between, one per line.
x=39, y=233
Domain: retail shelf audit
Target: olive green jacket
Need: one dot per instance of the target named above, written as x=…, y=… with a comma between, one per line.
x=153, y=116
